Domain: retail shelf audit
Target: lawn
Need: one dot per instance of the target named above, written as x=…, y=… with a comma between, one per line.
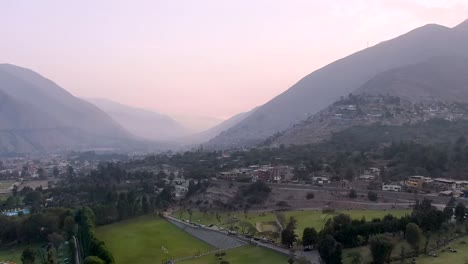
x=148, y=239
x=5, y=185
x=13, y=254
x=447, y=257
x=243, y=255
x=315, y=219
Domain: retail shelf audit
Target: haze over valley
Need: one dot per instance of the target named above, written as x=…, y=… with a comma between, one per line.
x=234, y=132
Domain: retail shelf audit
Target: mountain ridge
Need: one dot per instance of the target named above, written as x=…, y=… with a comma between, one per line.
x=325, y=85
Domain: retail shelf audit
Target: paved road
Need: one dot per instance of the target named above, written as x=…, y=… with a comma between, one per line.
x=223, y=241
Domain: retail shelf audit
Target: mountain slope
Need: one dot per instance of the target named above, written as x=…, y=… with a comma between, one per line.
x=140, y=122
x=37, y=115
x=440, y=78
x=324, y=86
x=436, y=88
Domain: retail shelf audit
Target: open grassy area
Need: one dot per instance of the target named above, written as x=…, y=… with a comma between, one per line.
x=13, y=254
x=444, y=256
x=4, y=185
x=148, y=240
x=315, y=219
x=243, y=255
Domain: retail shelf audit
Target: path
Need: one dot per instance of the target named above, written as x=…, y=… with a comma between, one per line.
x=222, y=241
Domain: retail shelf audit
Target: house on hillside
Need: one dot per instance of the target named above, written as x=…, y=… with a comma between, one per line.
x=391, y=187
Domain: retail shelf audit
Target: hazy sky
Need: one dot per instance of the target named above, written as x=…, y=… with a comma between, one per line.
x=199, y=57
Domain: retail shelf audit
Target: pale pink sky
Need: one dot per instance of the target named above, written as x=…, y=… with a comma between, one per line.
x=199, y=57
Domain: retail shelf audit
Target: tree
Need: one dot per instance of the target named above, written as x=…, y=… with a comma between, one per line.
x=288, y=236
x=356, y=257
x=28, y=256
x=372, y=196
x=413, y=236
x=93, y=260
x=352, y=194
x=309, y=237
x=55, y=171
x=330, y=251
x=448, y=213
x=460, y=211
x=69, y=226
x=70, y=171
x=381, y=248
x=55, y=239
x=349, y=174
x=247, y=228
x=310, y=195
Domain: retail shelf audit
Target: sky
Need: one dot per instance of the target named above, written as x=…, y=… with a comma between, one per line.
x=200, y=58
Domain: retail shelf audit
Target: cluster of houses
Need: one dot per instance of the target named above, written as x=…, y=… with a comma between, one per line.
x=265, y=173
x=442, y=186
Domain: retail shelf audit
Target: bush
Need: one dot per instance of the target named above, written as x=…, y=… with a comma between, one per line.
x=353, y=194
x=310, y=195
x=372, y=196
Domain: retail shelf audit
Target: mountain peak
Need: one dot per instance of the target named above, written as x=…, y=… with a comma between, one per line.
x=463, y=25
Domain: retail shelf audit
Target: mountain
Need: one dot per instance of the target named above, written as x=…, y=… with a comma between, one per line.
x=324, y=86
x=37, y=115
x=140, y=122
x=433, y=89
x=439, y=78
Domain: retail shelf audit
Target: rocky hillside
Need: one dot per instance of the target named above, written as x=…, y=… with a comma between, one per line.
x=366, y=110
x=436, y=88
x=325, y=86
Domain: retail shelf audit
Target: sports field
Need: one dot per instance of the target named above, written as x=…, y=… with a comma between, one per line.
x=315, y=219
x=149, y=239
x=243, y=255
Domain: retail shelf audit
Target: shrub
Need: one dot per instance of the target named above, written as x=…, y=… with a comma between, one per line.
x=372, y=196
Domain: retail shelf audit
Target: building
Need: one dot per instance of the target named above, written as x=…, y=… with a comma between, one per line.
x=366, y=177
x=391, y=187
x=417, y=181
x=447, y=184
x=320, y=180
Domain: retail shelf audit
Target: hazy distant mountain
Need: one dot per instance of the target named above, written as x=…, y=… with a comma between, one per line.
x=37, y=115
x=436, y=88
x=140, y=122
x=324, y=86
x=218, y=129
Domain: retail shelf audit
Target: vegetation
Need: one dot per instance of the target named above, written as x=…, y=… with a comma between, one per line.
x=149, y=239
x=330, y=251
x=381, y=248
x=245, y=254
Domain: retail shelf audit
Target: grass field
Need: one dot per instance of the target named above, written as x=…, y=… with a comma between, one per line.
x=315, y=219
x=447, y=257
x=148, y=239
x=13, y=254
x=243, y=255
x=4, y=185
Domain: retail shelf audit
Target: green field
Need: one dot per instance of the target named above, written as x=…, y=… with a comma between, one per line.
x=4, y=185
x=447, y=257
x=148, y=239
x=315, y=219
x=243, y=255
x=13, y=254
